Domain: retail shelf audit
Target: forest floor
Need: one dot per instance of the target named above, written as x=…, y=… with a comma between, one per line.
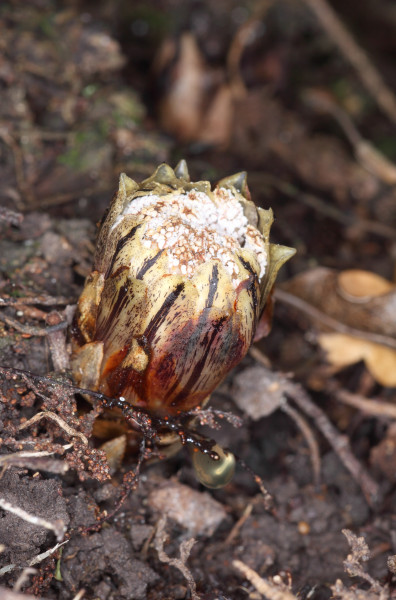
x=284, y=91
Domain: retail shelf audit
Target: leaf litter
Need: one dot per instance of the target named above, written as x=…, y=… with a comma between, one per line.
x=317, y=400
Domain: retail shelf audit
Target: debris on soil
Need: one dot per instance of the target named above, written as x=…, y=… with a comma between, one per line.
x=197, y=512
x=281, y=90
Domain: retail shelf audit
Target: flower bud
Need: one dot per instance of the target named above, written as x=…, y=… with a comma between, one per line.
x=181, y=277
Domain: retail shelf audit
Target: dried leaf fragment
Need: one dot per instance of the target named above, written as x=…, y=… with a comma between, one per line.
x=344, y=350
x=361, y=307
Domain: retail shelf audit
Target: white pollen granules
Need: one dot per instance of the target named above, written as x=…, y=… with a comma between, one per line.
x=194, y=228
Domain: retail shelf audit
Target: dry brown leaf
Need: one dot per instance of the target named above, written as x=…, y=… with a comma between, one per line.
x=361, y=307
x=344, y=350
x=197, y=106
x=357, y=299
x=181, y=107
x=218, y=119
x=357, y=285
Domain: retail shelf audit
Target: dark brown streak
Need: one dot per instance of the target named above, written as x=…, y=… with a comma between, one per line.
x=199, y=366
x=147, y=265
x=162, y=312
x=120, y=244
x=117, y=307
x=252, y=283
x=213, y=283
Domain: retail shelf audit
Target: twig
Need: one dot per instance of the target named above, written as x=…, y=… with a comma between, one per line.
x=360, y=553
x=267, y=588
x=243, y=37
x=237, y=527
x=37, y=461
x=178, y=563
x=358, y=58
x=370, y=407
x=7, y=594
x=32, y=329
x=58, y=199
x=40, y=557
x=23, y=187
x=35, y=561
x=6, y=458
x=308, y=436
x=41, y=299
x=316, y=313
x=23, y=577
x=58, y=526
x=330, y=211
x=370, y=157
x=338, y=442
x=62, y=424
x=297, y=418
x=260, y=357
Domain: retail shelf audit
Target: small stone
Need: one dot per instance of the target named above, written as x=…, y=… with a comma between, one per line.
x=198, y=512
x=139, y=534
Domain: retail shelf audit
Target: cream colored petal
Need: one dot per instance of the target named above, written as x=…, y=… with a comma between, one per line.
x=278, y=255
x=121, y=312
x=343, y=350
x=86, y=365
x=127, y=187
x=266, y=218
x=88, y=305
x=217, y=291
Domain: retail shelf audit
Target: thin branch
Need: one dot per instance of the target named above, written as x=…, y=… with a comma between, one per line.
x=37, y=461
x=308, y=436
x=360, y=553
x=40, y=299
x=57, y=341
x=368, y=73
x=58, y=526
x=243, y=37
x=40, y=557
x=370, y=407
x=59, y=421
x=24, y=189
x=316, y=313
x=32, y=329
x=368, y=155
x=7, y=594
x=338, y=442
x=267, y=588
x=325, y=208
x=35, y=561
x=237, y=527
x=23, y=578
x=178, y=563
x=5, y=458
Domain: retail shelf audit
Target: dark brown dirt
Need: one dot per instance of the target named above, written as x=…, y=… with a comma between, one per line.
x=83, y=92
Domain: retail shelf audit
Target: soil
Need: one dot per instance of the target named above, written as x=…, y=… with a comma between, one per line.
x=89, y=90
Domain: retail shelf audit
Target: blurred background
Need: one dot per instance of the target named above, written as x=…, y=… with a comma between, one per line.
x=296, y=92
x=90, y=89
